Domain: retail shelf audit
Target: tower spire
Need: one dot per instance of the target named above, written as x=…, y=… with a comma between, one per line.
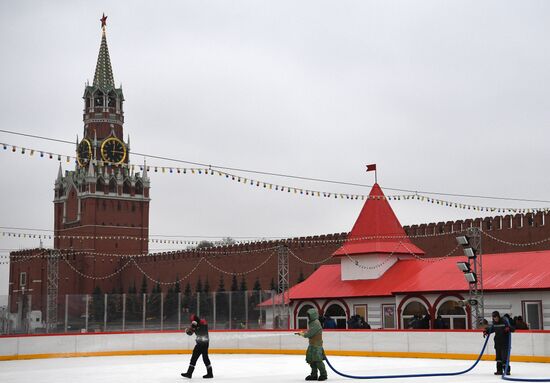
x=103, y=77
x=59, y=174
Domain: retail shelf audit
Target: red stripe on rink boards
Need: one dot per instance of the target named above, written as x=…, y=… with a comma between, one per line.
x=264, y=330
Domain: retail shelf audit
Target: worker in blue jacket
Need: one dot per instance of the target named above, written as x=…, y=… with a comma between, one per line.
x=502, y=329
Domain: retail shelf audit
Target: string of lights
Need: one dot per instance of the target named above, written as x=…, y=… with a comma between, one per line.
x=379, y=265
x=242, y=170
x=23, y=258
x=524, y=244
x=260, y=240
x=239, y=273
x=374, y=267
x=117, y=271
x=309, y=262
x=419, y=196
x=168, y=283
x=434, y=259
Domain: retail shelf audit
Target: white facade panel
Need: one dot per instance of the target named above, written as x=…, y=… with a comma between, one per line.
x=369, y=266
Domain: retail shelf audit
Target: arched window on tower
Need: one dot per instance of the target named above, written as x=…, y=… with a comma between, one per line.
x=98, y=99
x=100, y=186
x=88, y=102
x=112, y=100
x=139, y=188
x=112, y=186
x=127, y=187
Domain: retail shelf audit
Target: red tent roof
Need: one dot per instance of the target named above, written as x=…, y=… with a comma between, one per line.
x=378, y=220
x=504, y=272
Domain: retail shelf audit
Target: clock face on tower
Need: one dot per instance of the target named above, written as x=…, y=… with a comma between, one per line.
x=113, y=150
x=84, y=152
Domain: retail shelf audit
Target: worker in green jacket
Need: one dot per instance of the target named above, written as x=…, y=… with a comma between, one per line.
x=315, y=353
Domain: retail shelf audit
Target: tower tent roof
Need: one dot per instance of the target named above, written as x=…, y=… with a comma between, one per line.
x=103, y=77
x=377, y=230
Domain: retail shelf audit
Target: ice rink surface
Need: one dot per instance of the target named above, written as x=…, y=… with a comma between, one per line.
x=244, y=368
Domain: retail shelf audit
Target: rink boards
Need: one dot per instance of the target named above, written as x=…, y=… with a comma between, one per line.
x=528, y=346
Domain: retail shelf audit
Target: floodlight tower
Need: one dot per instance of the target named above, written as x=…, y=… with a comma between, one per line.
x=52, y=290
x=473, y=272
x=283, y=284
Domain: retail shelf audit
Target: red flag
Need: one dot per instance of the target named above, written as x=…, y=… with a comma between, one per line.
x=371, y=167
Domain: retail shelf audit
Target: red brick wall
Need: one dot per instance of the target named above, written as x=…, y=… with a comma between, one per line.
x=168, y=267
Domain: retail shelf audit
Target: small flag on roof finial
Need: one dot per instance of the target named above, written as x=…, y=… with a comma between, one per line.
x=370, y=168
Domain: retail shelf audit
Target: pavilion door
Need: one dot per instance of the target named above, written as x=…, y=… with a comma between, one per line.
x=533, y=314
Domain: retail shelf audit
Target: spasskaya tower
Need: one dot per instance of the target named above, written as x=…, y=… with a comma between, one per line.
x=102, y=206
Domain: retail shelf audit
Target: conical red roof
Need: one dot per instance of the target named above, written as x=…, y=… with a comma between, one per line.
x=377, y=230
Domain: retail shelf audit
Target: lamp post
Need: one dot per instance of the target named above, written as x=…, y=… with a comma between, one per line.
x=473, y=272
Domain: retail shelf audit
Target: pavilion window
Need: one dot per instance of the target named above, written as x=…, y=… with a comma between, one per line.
x=412, y=310
x=453, y=315
x=302, y=318
x=336, y=312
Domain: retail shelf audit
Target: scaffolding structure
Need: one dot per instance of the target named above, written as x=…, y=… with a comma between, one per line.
x=52, y=290
x=476, y=301
x=283, y=271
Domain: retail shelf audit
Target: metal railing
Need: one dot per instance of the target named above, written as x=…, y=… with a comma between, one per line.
x=26, y=314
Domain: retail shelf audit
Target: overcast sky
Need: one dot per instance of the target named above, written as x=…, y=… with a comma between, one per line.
x=450, y=96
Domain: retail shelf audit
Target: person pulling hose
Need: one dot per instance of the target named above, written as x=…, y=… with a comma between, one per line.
x=502, y=328
x=315, y=353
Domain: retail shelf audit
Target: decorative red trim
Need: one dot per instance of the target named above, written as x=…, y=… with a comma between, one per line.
x=343, y=302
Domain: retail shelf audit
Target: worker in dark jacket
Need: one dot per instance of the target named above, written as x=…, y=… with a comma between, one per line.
x=502, y=329
x=199, y=327
x=315, y=353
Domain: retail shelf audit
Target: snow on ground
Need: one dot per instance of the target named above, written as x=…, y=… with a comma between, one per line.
x=243, y=368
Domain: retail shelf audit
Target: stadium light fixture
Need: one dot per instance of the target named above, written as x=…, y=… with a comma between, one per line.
x=463, y=266
x=470, y=277
x=469, y=252
x=462, y=240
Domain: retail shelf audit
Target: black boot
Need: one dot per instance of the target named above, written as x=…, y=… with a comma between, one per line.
x=313, y=375
x=208, y=373
x=189, y=373
x=499, y=369
x=322, y=371
x=509, y=370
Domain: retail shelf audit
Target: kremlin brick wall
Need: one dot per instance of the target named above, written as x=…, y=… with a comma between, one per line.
x=436, y=239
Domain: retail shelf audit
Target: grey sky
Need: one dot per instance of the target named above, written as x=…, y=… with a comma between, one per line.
x=448, y=96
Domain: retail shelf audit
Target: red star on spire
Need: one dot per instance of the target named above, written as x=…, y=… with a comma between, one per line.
x=103, y=21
